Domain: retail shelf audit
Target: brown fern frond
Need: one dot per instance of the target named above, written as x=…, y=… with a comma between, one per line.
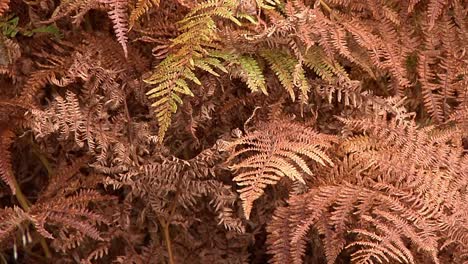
x=384, y=204
x=185, y=181
x=98, y=253
x=71, y=212
x=76, y=10
x=432, y=100
x=10, y=52
x=118, y=15
x=393, y=55
x=6, y=172
x=62, y=180
x=344, y=200
x=10, y=219
x=434, y=10
x=276, y=150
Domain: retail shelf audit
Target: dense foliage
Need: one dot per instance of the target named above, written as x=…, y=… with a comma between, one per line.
x=234, y=131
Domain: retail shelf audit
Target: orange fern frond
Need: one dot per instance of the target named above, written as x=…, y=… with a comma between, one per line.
x=4, y=6
x=276, y=150
x=434, y=10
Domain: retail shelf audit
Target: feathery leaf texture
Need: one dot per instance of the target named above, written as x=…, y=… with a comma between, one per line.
x=193, y=178
x=6, y=172
x=196, y=47
x=383, y=204
x=353, y=148
x=142, y=7
x=119, y=18
x=249, y=71
x=64, y=212
x=285, y=67
x=274, y=151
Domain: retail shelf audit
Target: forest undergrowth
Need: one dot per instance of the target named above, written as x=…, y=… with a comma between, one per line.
x=234, y=131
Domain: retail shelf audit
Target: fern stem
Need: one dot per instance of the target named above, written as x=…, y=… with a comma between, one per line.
x=3, y=259
x=23, y=201
x=328, y=8
x=25, y=204
x=87, y=23
x=42, y=158
x=165, y=224
x=167, y=238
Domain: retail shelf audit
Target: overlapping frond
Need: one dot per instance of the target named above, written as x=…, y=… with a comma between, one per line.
x=141, y=7
x=249, y=70
x=186, y=181
x=373, y=169
x=383, y=204
x=196, y=48
x=62, y=212
x=289, y=72
x=274, y=151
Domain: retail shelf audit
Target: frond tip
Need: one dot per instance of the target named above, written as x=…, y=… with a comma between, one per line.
x=118, y=15
x=276, y=150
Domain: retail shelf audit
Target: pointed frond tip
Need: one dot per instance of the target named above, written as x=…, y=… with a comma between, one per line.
x=118, y=15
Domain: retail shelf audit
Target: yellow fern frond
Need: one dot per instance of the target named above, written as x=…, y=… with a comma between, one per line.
x=142, y=7
x=195, y=48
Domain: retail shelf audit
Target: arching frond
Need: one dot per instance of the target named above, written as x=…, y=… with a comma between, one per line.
x=276, y=150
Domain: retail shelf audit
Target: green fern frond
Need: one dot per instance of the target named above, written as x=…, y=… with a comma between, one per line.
x=300, y=81
x=288, y=70
x=249, y=71
x=316, y=60
x=253, y=74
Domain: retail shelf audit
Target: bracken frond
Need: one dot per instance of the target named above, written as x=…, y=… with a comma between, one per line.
x=6, y=172
x=118, y=16
x=250, y=72
x=316, y=60
x=70, y=212
x=288, y=70
x=196, y=48
x=142, y=7
x=384, y=204
x=434, y=10
x=276, y=150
